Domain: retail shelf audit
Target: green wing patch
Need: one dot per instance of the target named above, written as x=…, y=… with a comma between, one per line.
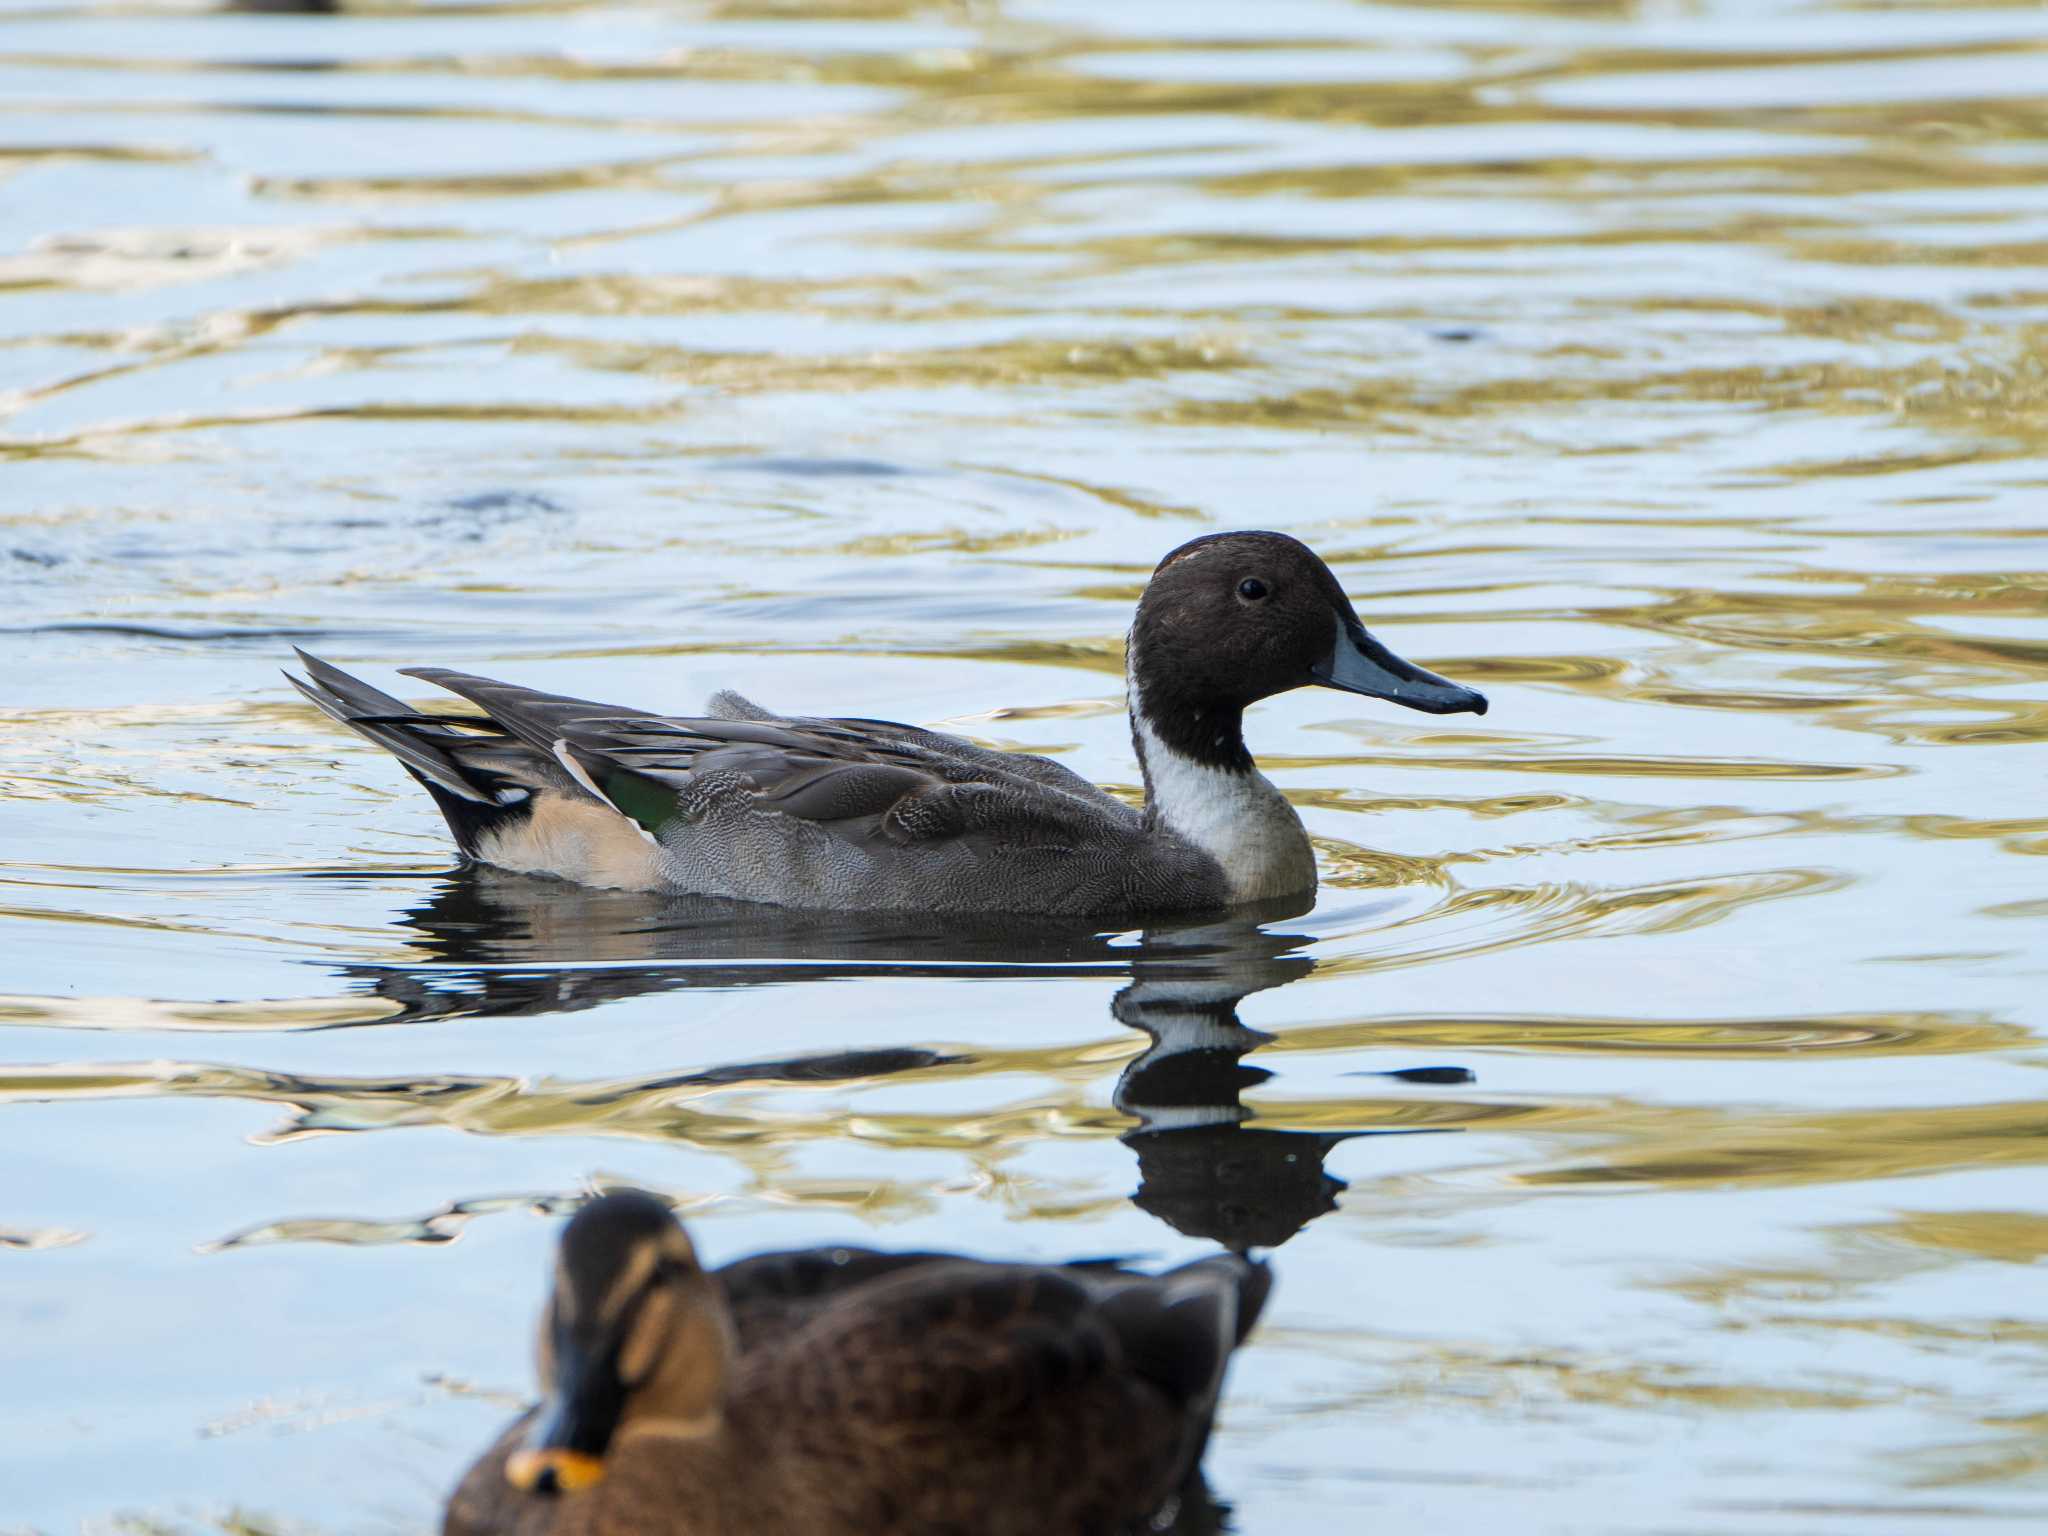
x=650, y=803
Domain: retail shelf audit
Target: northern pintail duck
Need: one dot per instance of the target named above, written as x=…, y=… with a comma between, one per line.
x=868, y=815
x=850, y=1393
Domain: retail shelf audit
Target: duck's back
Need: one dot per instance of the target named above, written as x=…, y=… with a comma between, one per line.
x=943, y=834
x=845, y=814
x=964, y=1398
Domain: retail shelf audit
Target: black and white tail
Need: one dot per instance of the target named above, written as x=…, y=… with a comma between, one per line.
x=482, y=777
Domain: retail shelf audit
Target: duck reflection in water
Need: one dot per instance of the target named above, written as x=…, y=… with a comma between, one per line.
x=506, y=945
x=1203, y=1167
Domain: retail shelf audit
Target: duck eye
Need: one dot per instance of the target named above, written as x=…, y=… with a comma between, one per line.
x=1251, y=589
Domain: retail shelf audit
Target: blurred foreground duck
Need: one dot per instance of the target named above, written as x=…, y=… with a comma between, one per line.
x=866, y=815
x=840, y=1392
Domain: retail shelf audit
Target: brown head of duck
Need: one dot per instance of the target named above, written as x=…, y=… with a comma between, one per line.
x=635, y=1340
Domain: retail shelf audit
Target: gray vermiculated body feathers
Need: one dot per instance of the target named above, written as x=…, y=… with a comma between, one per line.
x=843, y=814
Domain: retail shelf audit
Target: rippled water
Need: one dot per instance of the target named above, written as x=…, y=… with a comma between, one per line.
x=1673, y=372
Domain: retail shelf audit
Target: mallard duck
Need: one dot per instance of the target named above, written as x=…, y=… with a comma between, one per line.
x=868, y=815
x=849, y=1393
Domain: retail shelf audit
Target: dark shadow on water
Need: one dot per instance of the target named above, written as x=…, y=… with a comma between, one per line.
x=1203, y=1169
x=495, y=945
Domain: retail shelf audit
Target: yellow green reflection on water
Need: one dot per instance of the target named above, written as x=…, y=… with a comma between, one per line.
x=1647, y=1120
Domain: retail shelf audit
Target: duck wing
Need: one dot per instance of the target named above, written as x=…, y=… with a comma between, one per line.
x=771, y=1295
x=952, y=1388
x=871, y=777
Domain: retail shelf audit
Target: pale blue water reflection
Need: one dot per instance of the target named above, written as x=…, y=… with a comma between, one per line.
x=1670, y=372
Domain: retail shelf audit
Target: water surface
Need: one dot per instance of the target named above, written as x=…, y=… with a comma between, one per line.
x=1672, y=372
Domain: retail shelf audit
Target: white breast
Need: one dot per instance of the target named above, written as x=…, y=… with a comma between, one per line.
x=1238, y=818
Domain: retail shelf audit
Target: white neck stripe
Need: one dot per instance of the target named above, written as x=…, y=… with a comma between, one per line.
x=1235, y=816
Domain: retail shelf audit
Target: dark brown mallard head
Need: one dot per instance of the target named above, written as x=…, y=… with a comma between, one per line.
x=1232, y=618
x=635, y=1340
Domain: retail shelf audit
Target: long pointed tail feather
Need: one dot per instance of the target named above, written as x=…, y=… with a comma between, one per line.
x=479, y=775
x=410, y=745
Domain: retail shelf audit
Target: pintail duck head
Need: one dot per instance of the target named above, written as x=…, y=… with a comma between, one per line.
x=636, y=1339
x=1232, y=618
x=1229, y=619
